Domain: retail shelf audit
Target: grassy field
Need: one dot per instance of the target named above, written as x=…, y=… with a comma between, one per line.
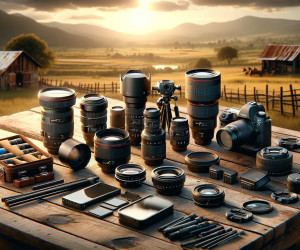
x=105, y=66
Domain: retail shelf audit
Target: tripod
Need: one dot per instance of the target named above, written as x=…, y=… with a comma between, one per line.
x=163, y=103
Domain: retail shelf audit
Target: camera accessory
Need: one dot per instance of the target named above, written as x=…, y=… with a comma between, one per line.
x=208, y=195
x=145, y=211
x=116, y=202
x=251, y=131
x=289, y=143
x=74, y=154
x=217, y=172
x=23, y=146
x=166, y=88
x=57, y=116
x=130, y=175
x=201, y=161
x=16, y=141
x=168, y=180
x=212, y=230
x=100, y=212
x=93, y=115
x=153, y=145
x=47, y=184
x=112, y=148
x=293, y=183
x=117, y=117
x=169, y=230
x=228, y=115
x=44, y=175
x=88, y=196
x=24, y=180
x=7, y=156
x=203, y=88
x=135, y=87
x=179, y=133
x=170, y=223
x=254, y=179
x=178, y=234
x=130, y=196
x=274, y=160
x=258, y=207
x=2, y=151
x=239, y=215
x=284, y=197
x=35, y=195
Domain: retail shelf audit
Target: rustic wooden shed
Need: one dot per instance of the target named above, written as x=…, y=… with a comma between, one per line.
x=281, y=59
x=18, y=69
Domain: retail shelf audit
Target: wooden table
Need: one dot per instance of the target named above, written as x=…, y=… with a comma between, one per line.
x=48, y=224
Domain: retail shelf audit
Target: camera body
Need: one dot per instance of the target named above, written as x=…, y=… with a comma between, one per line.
x=228, y=115
x=251, y=131
x=166, y=87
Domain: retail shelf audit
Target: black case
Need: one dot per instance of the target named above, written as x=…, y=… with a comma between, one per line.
x=134, y=222
x=254, y=179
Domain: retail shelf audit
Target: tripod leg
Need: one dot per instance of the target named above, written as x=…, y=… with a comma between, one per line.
x=169, y=116
x=163, y=117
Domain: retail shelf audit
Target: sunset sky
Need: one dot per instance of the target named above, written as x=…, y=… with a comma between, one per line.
x=144, y=16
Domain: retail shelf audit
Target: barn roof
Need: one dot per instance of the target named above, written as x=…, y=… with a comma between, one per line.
x=8, y=57
x=275, y=52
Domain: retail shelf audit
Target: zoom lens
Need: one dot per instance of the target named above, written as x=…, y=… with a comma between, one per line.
x=130, y=175
x=117, y=117
x=93, y=115
x=135, y=87
x=168, y=180
x=112, y=148
x=203, y=87
x=179, y=133
x=74, y=154
x=153, y=138
x=208, y=195
x=57, y=116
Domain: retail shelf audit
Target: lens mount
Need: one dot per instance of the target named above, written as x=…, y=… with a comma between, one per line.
x=208, y=195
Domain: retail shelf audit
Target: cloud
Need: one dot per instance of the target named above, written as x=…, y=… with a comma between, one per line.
x=54, y=5
x=169, y=6
x=255, y=4
x=86, y=17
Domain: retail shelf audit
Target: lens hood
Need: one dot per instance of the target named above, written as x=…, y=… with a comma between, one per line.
x=201, y=161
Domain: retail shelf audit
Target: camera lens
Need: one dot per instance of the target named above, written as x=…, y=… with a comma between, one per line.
x=168, y=180
x=135, y=87
x=130, y=175
x=208, y=195
x=179, y=133
x=112, y=148
x=117, y=117
x=203, y=87
x=153, y=138
x=275, y=160
x=74, y=154
x=93, y=115
x=57, y=116
x=201, y=161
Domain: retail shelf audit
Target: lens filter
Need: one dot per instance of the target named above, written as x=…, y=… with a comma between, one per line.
x=130, y=175
x=258, y=207
x=208, y=195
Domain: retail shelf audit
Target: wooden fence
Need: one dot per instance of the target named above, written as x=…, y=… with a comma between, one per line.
x=284, y=101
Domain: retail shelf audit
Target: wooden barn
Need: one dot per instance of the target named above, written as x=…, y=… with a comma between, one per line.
x=18, y=69
x=281, y=59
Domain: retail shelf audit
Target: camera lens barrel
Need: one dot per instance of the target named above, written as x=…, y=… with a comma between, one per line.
x=208, y=195
x=201, y=161
x=293, y=183
x=93, y=115
x=203, y=88
x=130, y=175
x=274, y=160
x=179, y=133
x=57, y=116
x=168, y=180
x=112, y=148
x=117, y=117
x=153, y=144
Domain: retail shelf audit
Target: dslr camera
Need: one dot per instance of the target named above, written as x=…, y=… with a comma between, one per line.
x=166, y=87
x=251, y=131
x=228, y=115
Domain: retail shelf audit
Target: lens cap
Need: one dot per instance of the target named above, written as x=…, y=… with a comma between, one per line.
x=239, y=215
x=293, y=183
x=284, y=197
x=289, y=143
x=201, y=161
x=258, y=207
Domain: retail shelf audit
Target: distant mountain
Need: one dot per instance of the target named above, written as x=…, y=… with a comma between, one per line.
x=16, y=24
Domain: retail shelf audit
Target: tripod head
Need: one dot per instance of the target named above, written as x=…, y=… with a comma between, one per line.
x=166, y=88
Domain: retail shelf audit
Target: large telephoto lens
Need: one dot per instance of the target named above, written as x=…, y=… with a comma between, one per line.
x=57, y=116
x=153, y=138
x=203, y=87
x=93, y=115
x=112, y=148
x=135, y=87
x=179, y=133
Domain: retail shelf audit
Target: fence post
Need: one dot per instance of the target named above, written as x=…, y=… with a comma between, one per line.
x=292, y=97
x=238, y=94
x=104, y=88
x=296, y=100
x=116, y=87
x=231, y=95
x=225, y=93
x=267, y=96
x=257, y=96
x=281, y=100
x=245, y=93
x=112, y=87
x=273, y=101
x=254, y=93
x=60, y=83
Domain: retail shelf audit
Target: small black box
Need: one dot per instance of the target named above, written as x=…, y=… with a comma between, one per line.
x=215, y=172
x=254, y=179
x=229, y=176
